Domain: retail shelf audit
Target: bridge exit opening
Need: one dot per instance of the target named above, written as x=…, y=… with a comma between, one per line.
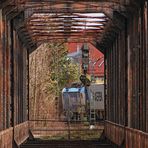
x=63, y=105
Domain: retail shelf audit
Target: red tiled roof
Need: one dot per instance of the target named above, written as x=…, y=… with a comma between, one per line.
x=94, y=55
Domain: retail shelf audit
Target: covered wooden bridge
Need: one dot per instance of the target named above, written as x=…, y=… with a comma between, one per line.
x=119, y=28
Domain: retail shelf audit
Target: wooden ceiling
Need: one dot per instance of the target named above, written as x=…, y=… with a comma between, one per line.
x=66, y=20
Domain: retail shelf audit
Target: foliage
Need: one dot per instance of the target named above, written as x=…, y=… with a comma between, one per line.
x=62, y=70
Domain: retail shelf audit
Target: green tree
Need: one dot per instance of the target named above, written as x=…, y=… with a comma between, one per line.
x=62, y=70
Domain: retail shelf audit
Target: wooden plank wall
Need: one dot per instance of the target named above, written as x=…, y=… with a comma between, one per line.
x=127, y=80
x=4, y=74
x=129, y=137
x=21, y=132
x=115, y=132
x=20, y=79
x=13, y=84
x=136, y=138
x=116, y=80
x=6, y=139
x=137, y=47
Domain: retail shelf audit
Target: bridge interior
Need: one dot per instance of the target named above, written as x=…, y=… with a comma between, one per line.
x=116, y=27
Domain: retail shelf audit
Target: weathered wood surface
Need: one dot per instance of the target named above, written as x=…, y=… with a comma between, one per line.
x=114, y=132
x=6, y=138
x=21, y=132
x=131, y=138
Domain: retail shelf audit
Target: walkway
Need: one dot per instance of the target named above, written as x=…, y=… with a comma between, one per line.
x=66, y=144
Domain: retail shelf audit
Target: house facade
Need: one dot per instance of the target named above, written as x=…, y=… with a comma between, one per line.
x=95, y=71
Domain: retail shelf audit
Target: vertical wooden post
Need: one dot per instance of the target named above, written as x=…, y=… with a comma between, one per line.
x=129, y=82
x=105, y=86
x=146, y=40
x=28, y=85
x=1, y=32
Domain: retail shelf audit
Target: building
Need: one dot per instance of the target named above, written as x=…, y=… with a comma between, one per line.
x=95, y=70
